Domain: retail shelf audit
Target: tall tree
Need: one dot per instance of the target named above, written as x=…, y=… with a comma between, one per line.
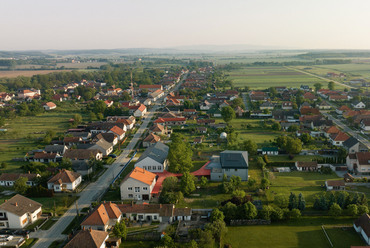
x=180, y=155
x=317, y=86
x=120, y=230
x=331, y=85
x=301, y=202
x=227, y=113
x=187, y=183
x=20, y=185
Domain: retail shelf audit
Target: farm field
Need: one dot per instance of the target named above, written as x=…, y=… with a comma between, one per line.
x=23, y=133
x=27, y=73
x=265, y=77
x=304, y=232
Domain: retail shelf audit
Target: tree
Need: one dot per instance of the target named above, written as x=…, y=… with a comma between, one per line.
x=331, y=85
x=260, y=162
x=4, y=165
x=21, y=186
x=362, y=209
x=293, y=128
x=250, y=211
x=217, y=215
x=281, y=201
x=251, y=183
x=206, y=239
x=120, y=230
x=293, y=146
x=239, y=194
x=167, y=241
x=352, y=209
x=238, y=102
x=230, y=211
x=77, y=119
x=187, y=183
x=170, y=184
x=276, y=126
x=203, y=182
x=193, y=244
x=277, y=214
x=292, y=201
x=180, y=154
x=306, y=138
x=218, y=229
x=266, y=212
x=295, y=213
x=335, y=210
x=317, y=86
x=264, y=183
x=250, y=146
x=301, y=202
x=227, y=113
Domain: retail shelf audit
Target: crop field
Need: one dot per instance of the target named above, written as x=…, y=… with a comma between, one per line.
x=29, y=73
x=304, y=232
x=265, y=77
x=354, y=70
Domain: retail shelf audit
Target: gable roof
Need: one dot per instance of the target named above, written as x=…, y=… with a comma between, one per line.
x=81, y=153
x=340, y=136
x=152, y=138
x=234, y=159
x=20, y=205
x=157, y=128
x=141, y=175
x=350, y=142
x=16, y=176
x=50, y=104
x=65, y=176
x=55, y=148
x=335, y=183
x=332, y=129
x=117, y=130
x=363, y=158
x=364, y=223
x=307, y=164
x=99, y=217
x=87, y=239
x=157, y=152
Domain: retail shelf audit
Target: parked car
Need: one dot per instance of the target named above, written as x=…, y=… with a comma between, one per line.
x=112, y=155
x=6, y=237
x=6, y=231
x=21, y=232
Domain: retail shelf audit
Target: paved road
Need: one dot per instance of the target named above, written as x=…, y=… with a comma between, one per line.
x=325, y=79
x=347, y=129
x=91, y=192
x=245, y=100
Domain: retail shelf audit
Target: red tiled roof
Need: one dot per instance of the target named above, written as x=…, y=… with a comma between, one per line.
x=50, y=104
x=152, y=138
x=117, y=130
x=153, y=86
x=332, y=129
x=142, y=175
x=340, y=136
x=65, y=176
x=162, y=120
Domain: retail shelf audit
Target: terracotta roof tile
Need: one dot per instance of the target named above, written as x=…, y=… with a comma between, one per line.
x=142, y=175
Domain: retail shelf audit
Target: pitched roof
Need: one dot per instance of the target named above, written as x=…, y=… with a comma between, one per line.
x=344, y=108
x=117, y=130
x=16, y=176
x=157, y=152
x=152, y=138
x=88, y=239
x=150, y=86
x=44, y=155
x=20, y=205
x=364, y=223
x=109, y=137
x=55, y=148
x=81, y=153
x=340, y=136
x=363, y=158
x=332, y=129
x=163, y=120
x=335, y=183
x=141, y=175
x=141, y=107
x=99, y=217
x=350, y=142
x=157, y=128
x=65, y=176
x=234, y=159
x=307, y=164
x=50, y=104
x=164, y=210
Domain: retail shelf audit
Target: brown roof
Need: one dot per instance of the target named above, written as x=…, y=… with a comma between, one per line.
x=117, y=130
x=344, y=108
x=363, y=158
x=335, y=183
x=76, y=154
x=65, y=176
x=332, y=129
x=15, y=176
x=162, y=209
x=87, y=239
x=20, y=205
x=182, y=212
x=307, y=164
x=157, y=128
x=50, y=104
x=364, y=223
x=99, y=217
x=71, y=139
x=152, y=138
x=339, y=136
x=44, y=155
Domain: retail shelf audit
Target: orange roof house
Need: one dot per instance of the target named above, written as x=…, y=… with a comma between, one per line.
x=138, y=184
x=103, y=217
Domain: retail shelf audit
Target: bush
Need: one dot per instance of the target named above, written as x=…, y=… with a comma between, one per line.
x=282, y=164
x=39, y=191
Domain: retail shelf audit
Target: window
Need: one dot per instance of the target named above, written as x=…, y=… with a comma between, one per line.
x=144, y=167
x=149, y=168
x=141, y=217
x=137, y=189
x=130, y=195
x=155, y=217
x=159, y=167
x=129, y=188
x=145, y=188
x=154, y=167
x=1, y=214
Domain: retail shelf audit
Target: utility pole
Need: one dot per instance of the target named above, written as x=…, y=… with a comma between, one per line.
x=78, y=214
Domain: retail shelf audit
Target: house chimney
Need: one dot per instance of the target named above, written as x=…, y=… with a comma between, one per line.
x=132, y=203
x=83, y=228
x=90, y=229
x=160, y=205
x=29, y=172
x=16, y=204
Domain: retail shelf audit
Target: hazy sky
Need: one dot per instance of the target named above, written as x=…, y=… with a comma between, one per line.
x=89, y=24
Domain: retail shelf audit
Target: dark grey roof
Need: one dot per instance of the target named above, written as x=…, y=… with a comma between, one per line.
x=55, y=148
x=109, y=137
x=157, y=152
x=234, y=159
x=350, y=142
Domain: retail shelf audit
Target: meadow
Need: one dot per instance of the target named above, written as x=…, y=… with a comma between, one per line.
x=26, y=73
x=304, y=232
x=265, y=77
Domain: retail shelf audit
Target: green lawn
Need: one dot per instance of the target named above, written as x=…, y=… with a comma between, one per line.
x=29, y=243
x=307, y=183
x=301, y=158
x=304, y=232
x=265, y=77
x=24, y=133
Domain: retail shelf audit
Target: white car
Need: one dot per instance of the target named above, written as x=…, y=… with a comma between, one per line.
x=6, y=237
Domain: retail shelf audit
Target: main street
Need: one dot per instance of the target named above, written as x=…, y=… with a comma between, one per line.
x=94, y=190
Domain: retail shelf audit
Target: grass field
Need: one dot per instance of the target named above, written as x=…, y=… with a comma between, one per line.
x=307, y=183
x=13, y=74
x=304, y=232
x=23, y=134
x=265, y=77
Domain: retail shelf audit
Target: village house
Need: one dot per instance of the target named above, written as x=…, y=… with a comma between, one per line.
x=138, y=110
x=118, y=132
x=359, y=162
x=154, y=158
x=65, y=180
x=18, y=212
x=71, y=141
x=103, y=217
x=358, y=105
x=324, y=105
x=335, y=185
x=108, y=103
x=205, y=105
x=267, y=105
x=362, y=226
x=50, y=106
x=60, y=149
x=331, y=130
x=150, y=140
x=239, y=111
x=171, y=121
x=8, y=179
x=159, y=129
x=109, y=137
x=336, y=98
x=352, y=145
x=44, y=157
x=6, y=97
x=103, y=146
x=342, y=109
x=89, y=238
x=80, y=159
x=164, y=213
x=198, y=140
x=307, y=166
x=270, y=151
x=156, y=95
x=309, y=96
x=28, y=93
x=229, y=163
x=138, y=185
x=337, y=139
x=202, y=130
x=150, y=87
x=214, y=112
x=365, y=125
x=287, y=105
